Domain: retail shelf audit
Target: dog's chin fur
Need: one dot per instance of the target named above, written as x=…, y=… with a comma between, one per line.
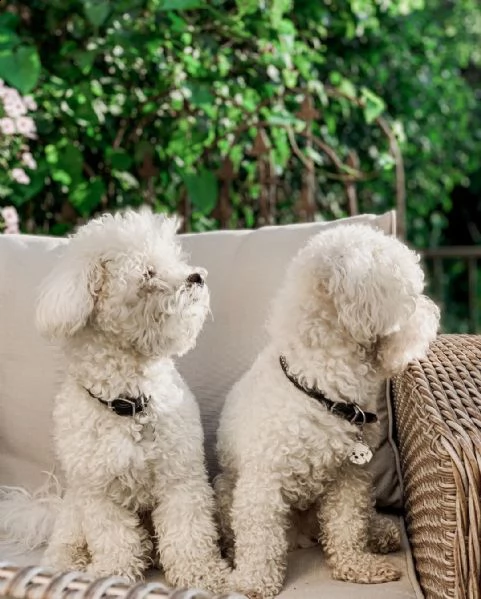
x=121, y=303
x=350, y=313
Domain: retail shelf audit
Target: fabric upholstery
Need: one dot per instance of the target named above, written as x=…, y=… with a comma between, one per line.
x=308, y=576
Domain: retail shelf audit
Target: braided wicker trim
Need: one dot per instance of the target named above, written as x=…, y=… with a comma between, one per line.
x=437, y=405
x=35, y=582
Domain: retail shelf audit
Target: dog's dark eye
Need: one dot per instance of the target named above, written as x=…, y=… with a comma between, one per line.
x=150, y=273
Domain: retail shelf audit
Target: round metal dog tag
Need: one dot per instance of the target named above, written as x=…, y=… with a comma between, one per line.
x=360, y=453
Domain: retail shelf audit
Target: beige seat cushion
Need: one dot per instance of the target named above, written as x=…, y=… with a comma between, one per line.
x=245, y=269
x=308, y=577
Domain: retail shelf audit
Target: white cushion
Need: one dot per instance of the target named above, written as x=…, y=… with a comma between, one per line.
x=308, y=576
x=245, y=269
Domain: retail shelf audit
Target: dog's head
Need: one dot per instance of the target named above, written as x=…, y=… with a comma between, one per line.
x=355, y=281
x=124, y=276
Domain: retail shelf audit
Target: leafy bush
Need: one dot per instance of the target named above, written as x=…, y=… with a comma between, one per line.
x=142, y=100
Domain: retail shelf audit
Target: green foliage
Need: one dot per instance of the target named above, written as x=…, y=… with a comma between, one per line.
x=142, y=101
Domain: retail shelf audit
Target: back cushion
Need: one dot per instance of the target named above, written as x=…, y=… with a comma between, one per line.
x=245, y=270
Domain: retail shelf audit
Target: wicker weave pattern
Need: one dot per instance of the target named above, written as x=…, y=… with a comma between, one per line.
x=36, y=582
x=437, y=405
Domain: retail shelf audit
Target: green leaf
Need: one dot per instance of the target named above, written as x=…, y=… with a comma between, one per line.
x=278, y=9
x=97, y=11
x=202, y=190
x=62, y=177
x=5, y=191
x=119, y=159
x=87, y=196
x=126, y=179
x=246, y=7
x=348, y=88
x=180, y=4
x=20, y=68
x=201, y=94
x=71, y=159
x=374, y=106
x=84, y=60
x=9, y=20
x=8, y=39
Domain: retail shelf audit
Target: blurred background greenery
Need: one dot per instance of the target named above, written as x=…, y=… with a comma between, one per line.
x=249, y=112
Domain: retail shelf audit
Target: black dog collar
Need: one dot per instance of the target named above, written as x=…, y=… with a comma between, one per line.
x=123, y=405
x=349, y=411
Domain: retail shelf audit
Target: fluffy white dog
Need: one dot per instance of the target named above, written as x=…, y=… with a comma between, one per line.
x=296, y=430
x=127, y=430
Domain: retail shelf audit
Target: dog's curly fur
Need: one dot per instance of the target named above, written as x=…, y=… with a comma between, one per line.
x=121, y=301
x=350, y=313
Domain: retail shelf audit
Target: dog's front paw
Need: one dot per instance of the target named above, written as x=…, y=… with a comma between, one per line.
x=253, y=587
x=365, y=569
x=209, y=576
x=132, y=573
x=384, y=535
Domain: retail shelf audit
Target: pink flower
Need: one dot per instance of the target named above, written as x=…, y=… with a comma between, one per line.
x=10, y=216
x=10, y=95
x=7, y=126
x=11, y=229
x=26, y=126
x=14, y=108
x=30, y=103
x=29, y=161
x=20, y=176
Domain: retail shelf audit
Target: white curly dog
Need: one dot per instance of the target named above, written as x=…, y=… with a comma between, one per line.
x=127, y=430
x=350, y=314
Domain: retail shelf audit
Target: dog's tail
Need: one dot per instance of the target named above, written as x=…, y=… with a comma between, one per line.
x=26, y=519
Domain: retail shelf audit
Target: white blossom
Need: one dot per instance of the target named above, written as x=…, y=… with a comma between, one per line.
x=11, y=95
x=30, y=103
x=10, y=215
x=28, y=160
x=176, y=95
x=7, y=126
x=20, y=176
x=273, y=72
x=14, y=108
x=26, y=126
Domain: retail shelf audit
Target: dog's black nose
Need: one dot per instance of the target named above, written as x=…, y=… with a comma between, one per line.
x=195, y=279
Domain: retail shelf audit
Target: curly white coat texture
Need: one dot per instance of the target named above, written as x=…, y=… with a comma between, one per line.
x=350, y=313
x=123, y=304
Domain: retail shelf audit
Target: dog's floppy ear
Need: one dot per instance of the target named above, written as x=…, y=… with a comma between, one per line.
x=66, y=297
x=371, y=302
x=411, y=341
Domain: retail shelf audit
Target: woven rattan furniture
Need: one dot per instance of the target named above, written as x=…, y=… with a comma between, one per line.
x=39, y=583
x=437, y=405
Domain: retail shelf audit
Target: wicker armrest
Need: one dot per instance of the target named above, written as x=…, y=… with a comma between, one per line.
x=437, y=406
x=36, y=582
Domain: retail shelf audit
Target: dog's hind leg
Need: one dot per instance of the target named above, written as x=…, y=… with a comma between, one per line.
x=67, y=547
x=344, y=518
x=384, y=535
